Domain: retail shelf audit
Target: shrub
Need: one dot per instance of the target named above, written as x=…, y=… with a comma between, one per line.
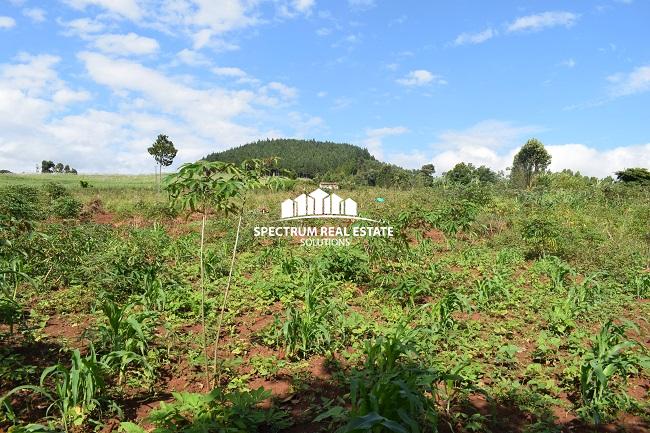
x=542, y=235
x=66, y=207
x=21, y=202
x=55, y=190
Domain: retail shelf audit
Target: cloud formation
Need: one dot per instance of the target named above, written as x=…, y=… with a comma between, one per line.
x=374, y=139
x=475, y=38
x=543, y=20
x=7, y=22
x=637, y=81
x=493, y=143
x=124, y=45
x=420, y=77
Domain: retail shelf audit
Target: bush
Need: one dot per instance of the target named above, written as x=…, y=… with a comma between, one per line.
x=21, y=202
x=542, y=235
x=55, y=190
x=66, y=207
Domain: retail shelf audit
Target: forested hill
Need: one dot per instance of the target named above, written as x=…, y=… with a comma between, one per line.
x=306, y=158
x=324, y=160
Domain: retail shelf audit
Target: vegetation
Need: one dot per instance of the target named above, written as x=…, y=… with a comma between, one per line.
x=164, y=152
x=343, y=163
x=51, y=167
x=636, y=175
x=531, y=160
x=494, y=307
x=466, y=173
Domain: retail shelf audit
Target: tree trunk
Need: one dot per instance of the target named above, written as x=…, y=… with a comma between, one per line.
x=225, y=296
x=205, y=339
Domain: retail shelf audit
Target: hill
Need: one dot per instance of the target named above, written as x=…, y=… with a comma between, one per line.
x=324, y=160
x=306, y=158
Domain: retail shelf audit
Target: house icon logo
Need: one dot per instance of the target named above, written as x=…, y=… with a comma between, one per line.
x=319, y=204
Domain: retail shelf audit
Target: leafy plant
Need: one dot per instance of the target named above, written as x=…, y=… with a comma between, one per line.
x=203, y=185
x=66, y=207
x=390, y=392
x=441, y=312
x=124, y=335
x=78, y=390
x=218, y=411
x=308, y=330
x=489, y=290
x=610, y=357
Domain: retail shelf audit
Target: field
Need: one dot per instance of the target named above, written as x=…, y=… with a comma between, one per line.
x=492, y=309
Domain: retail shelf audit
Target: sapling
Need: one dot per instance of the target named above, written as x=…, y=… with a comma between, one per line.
x=204, y=186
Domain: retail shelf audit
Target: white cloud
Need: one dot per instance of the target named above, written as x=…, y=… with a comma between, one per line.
x=192, y=58
x=361, y=4
x=420, y=77
x=596, y=162
x=33, y=101
x=82, y=27
x=475, y=38
x=543, y=20
x=374, y=139
x=125, y=8
x=67, y=96
x=35, y=14
x=229, y=72
x=637, y=81
x=7, y=22
x=275, y=93
x=305, y=126
x=303, y=6
x=128, y=44
x=494, y=143
x=323, y=31
x=569, y=63
x=293, y=8
x=491, y=134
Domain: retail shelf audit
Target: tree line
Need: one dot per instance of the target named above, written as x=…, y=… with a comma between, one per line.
x=51, y=167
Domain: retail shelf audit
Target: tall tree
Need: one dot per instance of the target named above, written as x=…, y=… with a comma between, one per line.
x=634, y=175
x=164, y=152
x=47, y=166
x=531, y=160
x=58, y=167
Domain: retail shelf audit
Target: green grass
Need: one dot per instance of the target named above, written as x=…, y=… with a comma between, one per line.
x=484, y=309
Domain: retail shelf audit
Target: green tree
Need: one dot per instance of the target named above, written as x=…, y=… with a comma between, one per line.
x=485, y=174
x=221, y=186
x=58, y=167
x=47, y=166
x=634, y=175
x=428, y=169
x=66, y=169
x=164, y=152
x=531, y=160
x=461, y=173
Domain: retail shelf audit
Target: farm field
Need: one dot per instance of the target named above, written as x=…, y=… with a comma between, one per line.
x=491, y=309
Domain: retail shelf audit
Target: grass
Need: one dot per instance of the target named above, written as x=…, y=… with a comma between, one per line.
x=475, y=317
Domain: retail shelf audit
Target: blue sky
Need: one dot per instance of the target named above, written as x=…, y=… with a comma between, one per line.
x=92, y=82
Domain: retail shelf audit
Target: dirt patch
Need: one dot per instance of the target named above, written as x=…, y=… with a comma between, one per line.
x=65, y=328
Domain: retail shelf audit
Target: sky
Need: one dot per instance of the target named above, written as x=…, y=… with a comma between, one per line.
x=91, y=83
